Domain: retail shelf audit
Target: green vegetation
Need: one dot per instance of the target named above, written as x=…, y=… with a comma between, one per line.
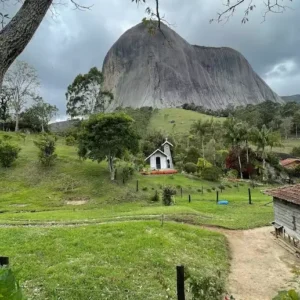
x=113, y=261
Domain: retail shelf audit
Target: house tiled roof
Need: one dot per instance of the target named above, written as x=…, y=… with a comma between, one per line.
x=290, y=193
x=289, y=161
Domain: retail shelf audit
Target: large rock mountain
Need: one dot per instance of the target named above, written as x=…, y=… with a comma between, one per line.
x=164, y=70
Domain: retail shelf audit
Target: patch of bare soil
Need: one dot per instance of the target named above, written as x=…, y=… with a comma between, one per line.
x=260, y=267
x=77, y=201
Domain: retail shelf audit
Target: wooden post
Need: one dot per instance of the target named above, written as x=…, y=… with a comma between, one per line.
x=190, y=199
x=180, y=283
x=137, y=185
x=202, y=189
x=123, y=180
x=249, y=195
x=162, y=220
x=181, y=191
x=4, y=261
x=217, y=197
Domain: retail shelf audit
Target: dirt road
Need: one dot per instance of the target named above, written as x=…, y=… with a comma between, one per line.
x=260, y=266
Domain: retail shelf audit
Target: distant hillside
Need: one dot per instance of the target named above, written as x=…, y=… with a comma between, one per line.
x=293, y=98
x=176, y=120
x=63, y=125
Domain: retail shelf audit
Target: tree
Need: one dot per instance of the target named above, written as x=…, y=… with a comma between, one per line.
x=84, y=95
x=201, y=128
x=107, y=136
x=5, y=99
x=263, y=138
x=296, y=121
x=43, y=111
x=22, y=80
x=286, y=126
x=235, y=133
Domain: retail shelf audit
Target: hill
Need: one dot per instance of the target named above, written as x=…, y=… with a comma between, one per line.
x=163, y=70
x=176, y=120
x=293, y=98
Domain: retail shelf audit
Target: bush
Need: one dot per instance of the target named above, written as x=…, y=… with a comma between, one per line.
x=211, y=174
x=145, y=189
x=221, y=187
x=168, y=193
x=8, y=153
x=296, y=151
x=46, y=147
x=190, y=168
x=70, y=140
x=6, y=137
x=232, y=173
x=272, y=159
x=127, y=171
x=213, y=188
x=287, y=295
x=208, y=190
x=155, y=197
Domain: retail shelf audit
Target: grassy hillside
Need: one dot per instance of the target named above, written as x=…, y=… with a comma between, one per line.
x=163, y=119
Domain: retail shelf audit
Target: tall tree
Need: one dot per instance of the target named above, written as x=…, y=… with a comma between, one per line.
x=107, y=136
x=43, y=111
x=85, y=95
x=286, y=126
x=235, y=134
x=201, y=129
x=296, y=121
x=5, y=99
x=22, y=80
x=262, y=139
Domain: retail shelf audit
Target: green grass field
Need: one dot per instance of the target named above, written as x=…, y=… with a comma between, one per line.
x=113, y=261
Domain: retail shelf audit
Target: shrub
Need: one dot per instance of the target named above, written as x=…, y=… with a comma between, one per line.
x=221, y=187
x=9, y=286
x=229, y=186
x=208, y=190
x=70, y=140
x=296, y=151
x=232, y=173
x=145, y=189
x=190, y=168
x=46, y=147
x=211, y=174
x=6, y=137
x=213, y=188
x=272, y=159
x=155, y=197
x=287, y=295
x=8, y=153
x=168, y=193
x=127, y=171
x=203, y=164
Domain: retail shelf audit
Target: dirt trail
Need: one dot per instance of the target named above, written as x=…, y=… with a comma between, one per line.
x=260, y=267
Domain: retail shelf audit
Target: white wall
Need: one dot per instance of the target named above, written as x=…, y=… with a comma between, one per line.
x=163, y=161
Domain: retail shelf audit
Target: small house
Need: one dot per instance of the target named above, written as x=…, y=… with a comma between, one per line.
x=161, y=159
x=290, y=163
x=286, y=201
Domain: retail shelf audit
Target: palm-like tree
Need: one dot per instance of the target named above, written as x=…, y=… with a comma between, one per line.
x=235, y=133
x=262, y=139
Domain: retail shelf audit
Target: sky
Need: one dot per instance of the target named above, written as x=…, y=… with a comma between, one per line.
x=70, y=41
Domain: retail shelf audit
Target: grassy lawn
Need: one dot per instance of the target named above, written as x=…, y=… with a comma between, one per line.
x=161, y=120
x=133, y=260
x=288, y=145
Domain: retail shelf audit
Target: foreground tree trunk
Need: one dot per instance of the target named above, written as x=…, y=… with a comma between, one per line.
x=15, y=36
x=111, y=166
x=17, y=123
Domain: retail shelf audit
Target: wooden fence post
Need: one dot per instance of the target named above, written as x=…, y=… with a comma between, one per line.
x=180, y=283
x=4, y=261
x=249, y=196
x=137, y=185
x=217, y=197
x=181, y=191
x=190, y=199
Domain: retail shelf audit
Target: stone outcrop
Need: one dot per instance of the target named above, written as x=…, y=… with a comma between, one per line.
x=164, y=70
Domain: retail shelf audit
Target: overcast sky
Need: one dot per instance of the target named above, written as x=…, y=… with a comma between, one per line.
x=74, y=41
